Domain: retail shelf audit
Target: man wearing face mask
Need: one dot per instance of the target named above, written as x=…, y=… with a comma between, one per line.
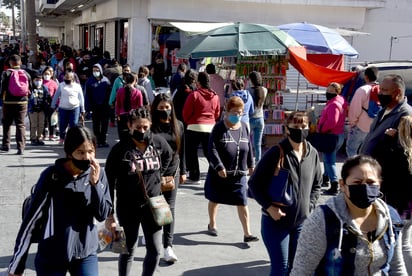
x=97, y=93
x=394, y=103
x=39, y=104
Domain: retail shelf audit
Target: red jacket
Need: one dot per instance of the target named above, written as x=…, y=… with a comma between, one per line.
x=201, y=107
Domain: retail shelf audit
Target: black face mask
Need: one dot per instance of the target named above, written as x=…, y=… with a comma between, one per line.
x=363, y=195
x=82, y=165
x=69, y=70
x=141, y=136
x=164, y=114
x=330, y=95
x=384, y=99
x=68, y=81
x=297, y=135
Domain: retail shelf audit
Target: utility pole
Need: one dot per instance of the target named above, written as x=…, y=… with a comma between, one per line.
x=13, y=17
x=23, y=35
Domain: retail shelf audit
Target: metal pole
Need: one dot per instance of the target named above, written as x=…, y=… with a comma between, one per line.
x=390, y=48
x=23, y=35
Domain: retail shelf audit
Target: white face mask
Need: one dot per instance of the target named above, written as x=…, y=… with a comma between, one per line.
x=38, y=84
x=96, y=74
x=47, y=77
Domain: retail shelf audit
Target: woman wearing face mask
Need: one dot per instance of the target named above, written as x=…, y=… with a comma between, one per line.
x=134, y=165
x=52, y=85
x=69, y=95
x=354, y=233
x=231, y=160
x=166, y=125
x=69, y=196
x=332, y=120
x=281, y=225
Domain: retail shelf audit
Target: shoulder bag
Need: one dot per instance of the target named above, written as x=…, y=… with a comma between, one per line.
x=280, y=188
x=158, y=205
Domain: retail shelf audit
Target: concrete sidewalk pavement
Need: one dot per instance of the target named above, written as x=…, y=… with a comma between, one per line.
x=199, y=254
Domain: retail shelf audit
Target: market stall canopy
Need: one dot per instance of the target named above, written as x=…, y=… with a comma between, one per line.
x=238, y=39
x=319, y=39
x=315, y=73
x=197, y=27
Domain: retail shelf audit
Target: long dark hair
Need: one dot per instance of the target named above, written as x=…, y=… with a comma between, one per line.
x=76, y=136
x=259, y=93
x=128, y=88
x=173, y=120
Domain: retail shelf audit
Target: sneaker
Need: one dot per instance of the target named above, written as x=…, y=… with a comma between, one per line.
x=170, y=256
x=33, y=143
x=250, y=238
x=52, y=138
x=192, y=181
x=211, y=231
x=5, y=148
x=333, y=190
x=20, y=152
x=61, y=141
x=325, y=181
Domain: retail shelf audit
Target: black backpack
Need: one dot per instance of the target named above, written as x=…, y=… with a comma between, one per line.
x=40, y=226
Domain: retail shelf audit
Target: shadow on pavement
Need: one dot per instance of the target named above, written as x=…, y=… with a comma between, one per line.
x=240, y=269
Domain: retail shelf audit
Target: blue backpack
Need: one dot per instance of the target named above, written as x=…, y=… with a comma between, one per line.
x=374, y=105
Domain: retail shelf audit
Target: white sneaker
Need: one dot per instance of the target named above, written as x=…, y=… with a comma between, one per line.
x=169, y=256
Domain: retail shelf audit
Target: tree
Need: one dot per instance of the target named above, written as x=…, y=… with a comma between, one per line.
x=11, y=4
x=5, y=19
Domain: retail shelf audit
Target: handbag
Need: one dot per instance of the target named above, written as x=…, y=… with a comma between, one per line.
x=167, y=183
x=161, y=212
x=280, y=188
x=323, y=142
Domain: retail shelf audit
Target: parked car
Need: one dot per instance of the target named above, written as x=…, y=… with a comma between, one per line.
x=399, y=67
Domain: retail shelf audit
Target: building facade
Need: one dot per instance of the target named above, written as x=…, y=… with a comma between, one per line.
x=131, y=29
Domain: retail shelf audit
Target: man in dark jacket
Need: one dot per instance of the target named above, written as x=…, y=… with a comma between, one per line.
x=14, y=107
x=376, y=144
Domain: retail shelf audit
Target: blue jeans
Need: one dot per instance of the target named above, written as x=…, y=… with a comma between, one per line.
x=256, y=130
x=68, y=118
x=354, y=140
x=77, y=267
x=329, y=160
x=281, y=243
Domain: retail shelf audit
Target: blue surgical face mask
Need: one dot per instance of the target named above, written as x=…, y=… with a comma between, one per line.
x=233, y=119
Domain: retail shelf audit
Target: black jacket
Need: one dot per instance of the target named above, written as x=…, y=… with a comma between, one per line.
x=75, y=204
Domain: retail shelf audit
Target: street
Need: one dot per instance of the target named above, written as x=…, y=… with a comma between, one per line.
x=198, y=253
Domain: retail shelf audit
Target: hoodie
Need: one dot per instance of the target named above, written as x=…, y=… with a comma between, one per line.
x=70, y=231
x=202, y=107
x=370, y=258
x=248, y=101
x=97, y=91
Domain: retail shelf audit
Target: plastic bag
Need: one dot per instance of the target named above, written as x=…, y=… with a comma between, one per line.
x=54, y=119
x=105, y=236
x=119, y=243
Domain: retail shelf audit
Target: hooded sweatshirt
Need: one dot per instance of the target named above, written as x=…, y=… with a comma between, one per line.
x=248, y=101
x=71, y=231
x=97, y=90
x=202, y=107
x=370, y=257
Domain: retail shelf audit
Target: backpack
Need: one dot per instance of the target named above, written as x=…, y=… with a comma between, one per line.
x=18, y=83
x=40, y=226
x=374, y=105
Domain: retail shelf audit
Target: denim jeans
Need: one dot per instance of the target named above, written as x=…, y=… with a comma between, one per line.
x=281, y=243
x=256, y=130
x=77, y=267
x=354, y=140
x=329, y=161
x=68, y=118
